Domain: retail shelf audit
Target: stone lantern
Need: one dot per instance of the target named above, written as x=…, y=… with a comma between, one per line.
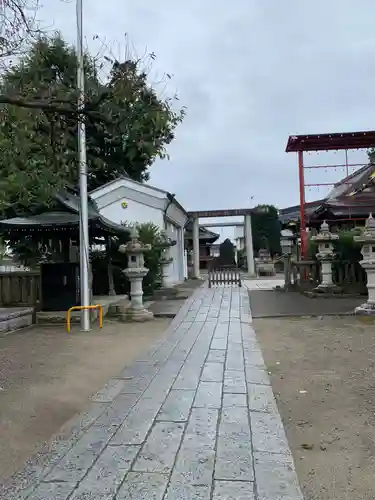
x=367, y=239
x=287, y=241
x=136, y=271
x=166, y=261
x=325, y=255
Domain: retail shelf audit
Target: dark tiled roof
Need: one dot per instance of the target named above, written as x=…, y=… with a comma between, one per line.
x=65, y=215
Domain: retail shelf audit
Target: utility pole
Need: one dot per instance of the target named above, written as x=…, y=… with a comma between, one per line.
x=83, y=213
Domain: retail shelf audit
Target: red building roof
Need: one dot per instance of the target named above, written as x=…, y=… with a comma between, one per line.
x=329, y=142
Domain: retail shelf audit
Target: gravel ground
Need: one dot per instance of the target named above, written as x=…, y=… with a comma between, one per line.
x=47, y=377
x=322, y=372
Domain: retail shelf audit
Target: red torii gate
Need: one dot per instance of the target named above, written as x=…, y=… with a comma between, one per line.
x=323, y=142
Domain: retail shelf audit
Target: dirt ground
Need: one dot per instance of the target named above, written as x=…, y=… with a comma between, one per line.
x=322, y=372
x=47, y=376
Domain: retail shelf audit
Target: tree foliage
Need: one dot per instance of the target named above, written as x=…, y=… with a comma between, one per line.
x=266, y=229
x=226, y=253
x=128, y=125
x=149, y=234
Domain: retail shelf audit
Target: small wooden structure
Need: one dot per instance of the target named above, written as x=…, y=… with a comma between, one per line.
x=53, y=235
x=224, y=276
x=20, y=289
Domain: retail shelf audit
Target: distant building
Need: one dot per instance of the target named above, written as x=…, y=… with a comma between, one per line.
x=126, y=201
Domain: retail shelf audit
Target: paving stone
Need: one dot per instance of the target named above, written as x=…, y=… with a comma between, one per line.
x=215, y=356
x=103, y=480
x=159, y=451
x=177, y=406
x=230, y=400
x=138, y=423
x=183, y=349
x=235, y=335
x=55, y=491
x=138, y=369
x=257, y=375
x=221, y=331
x=137, y=385
x=248, y=332
x=268, y=433
x=192, y=475
x=143, y=486
x=234, y=382
x=261, y=398
x=253, y=358
x=213, y=372
x=109, y=391
x=208, y=395
x=75, y=464
x=188, y=378
x=235, y=360
x=234, y=450
x=183, y=490
x=82, y=422
x=219, y=343
x=116, y=413
x=251, y=345
x=162, y=383
x=233, y=490
x=191, y=316
x=276, y=478
x=200, y=317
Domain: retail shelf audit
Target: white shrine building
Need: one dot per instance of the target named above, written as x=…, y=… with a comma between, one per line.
x=126, y=201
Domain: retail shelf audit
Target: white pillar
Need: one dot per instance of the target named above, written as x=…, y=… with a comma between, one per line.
x=186, y=273
x=249, y=246
x=196, y=248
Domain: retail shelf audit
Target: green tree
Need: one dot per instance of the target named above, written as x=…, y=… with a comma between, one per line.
x=149, y=234
x=128, y=125
x=226, y=253
x=266, y=229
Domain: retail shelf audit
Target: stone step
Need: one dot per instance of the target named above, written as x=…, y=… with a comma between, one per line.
x=14, y=318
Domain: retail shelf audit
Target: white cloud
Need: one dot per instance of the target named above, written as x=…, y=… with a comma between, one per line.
x=251, y=72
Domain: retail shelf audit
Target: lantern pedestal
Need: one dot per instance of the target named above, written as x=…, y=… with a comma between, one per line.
x=137, y=311
x=327, y=285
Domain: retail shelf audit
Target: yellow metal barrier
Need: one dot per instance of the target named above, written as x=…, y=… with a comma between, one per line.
x=79, y=308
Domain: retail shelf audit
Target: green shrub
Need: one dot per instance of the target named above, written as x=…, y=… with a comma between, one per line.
x=345, y=247
x=149, y=234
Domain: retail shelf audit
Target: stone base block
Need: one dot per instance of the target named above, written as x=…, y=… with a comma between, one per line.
x=15, y=318
x=366, y=309
x=330, y=289
x=119, y=307
x=136, y=315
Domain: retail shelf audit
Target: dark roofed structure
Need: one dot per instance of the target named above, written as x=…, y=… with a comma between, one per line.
x=330, y=142
x=353, y=197
x=63, y=216
x=292, y=214
x=205, y=235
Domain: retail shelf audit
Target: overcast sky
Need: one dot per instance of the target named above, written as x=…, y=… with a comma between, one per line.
x=251, y=73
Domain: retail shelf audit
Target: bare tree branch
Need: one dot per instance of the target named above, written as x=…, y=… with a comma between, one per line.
x=18, y=25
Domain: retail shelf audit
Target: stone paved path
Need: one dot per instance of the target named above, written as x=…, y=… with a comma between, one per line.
x=194, y=420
